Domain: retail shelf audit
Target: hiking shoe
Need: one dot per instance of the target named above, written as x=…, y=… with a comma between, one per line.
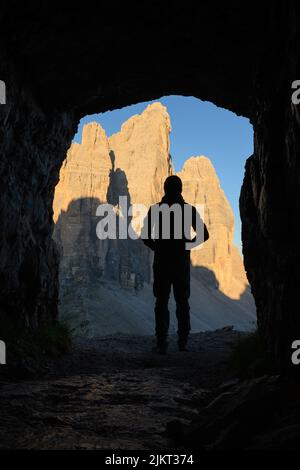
x=161, y=348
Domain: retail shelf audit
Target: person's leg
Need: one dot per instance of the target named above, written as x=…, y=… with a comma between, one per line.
x=162, y=318
x=161, y=290
x=181, y=287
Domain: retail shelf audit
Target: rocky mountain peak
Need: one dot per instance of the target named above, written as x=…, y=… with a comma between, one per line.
x=92, y=134
x=135, y=162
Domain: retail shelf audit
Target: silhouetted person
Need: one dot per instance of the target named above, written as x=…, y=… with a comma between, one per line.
x=164, y=232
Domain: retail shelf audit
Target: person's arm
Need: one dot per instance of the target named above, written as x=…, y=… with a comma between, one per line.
x=146, y=232
x=199, y=226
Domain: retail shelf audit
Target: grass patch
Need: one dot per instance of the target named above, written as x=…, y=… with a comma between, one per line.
x=44, y=341
x=249, y=357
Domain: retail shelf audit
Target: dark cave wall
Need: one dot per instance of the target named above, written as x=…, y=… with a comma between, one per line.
x=32, y=146
x=270, y=211
x=270, y=199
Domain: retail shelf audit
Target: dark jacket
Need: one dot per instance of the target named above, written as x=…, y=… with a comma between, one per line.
x=172, y=243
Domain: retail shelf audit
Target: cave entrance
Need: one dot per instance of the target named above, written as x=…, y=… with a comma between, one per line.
x=106, y=285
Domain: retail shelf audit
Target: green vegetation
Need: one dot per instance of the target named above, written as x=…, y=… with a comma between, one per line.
x=44, y=341
x=249, y=357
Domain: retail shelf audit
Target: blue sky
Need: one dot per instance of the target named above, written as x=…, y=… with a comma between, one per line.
x=198, y=128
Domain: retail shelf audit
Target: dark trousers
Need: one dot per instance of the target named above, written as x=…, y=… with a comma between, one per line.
x=168, y=273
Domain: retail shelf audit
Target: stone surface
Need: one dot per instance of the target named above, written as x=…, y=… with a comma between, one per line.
x=269, y=206
x=113, y=393
x=141, y=163
x=84, y=184
x=33, y=145
x=135, y=163
x=219, y=255
x=142, y=150
x=99, y=73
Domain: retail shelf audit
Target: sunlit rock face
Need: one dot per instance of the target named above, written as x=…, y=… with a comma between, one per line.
x=201, y=186
x=134, y=164
x=85, y=171
x=142, y=150
x=83, y=185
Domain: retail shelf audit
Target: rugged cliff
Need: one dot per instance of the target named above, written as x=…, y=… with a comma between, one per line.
x=201, y=186
x=142, y=150
x=84, y=182
x=134, y=163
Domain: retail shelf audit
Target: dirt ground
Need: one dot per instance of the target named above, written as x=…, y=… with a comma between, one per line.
x=115, y=393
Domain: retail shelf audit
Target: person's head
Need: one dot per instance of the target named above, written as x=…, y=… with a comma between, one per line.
x=173, y=186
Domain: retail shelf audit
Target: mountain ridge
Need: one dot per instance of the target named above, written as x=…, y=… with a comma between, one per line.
x=134, y=162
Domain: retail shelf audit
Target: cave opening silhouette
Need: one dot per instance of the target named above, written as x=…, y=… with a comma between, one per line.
x=47, y=94
x=59, y=65
x=124, y=267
